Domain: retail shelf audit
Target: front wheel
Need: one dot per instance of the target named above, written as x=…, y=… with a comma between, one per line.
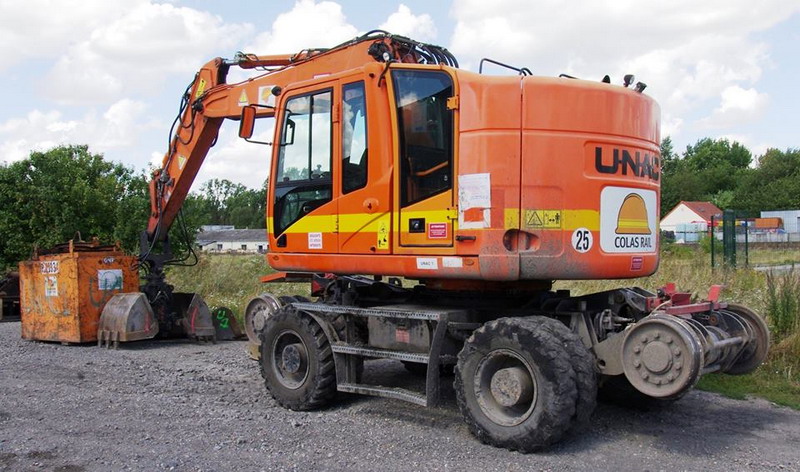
x=515, y=385
x=297, y=361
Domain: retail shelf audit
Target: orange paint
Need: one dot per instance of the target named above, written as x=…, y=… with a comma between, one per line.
x=63, y=294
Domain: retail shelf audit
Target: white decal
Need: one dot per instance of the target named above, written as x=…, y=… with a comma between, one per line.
x=582, y=240
x=265, y=96
x=51, y=286
x=315, y=240
x=109, y=279
x=452, y=262
x=49, y=267
x=474, y=201
x=427, y=263
x=628, y=220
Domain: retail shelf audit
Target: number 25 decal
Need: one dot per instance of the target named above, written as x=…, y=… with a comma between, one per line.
x=582, y=240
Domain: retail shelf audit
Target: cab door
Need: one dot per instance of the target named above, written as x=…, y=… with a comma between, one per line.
x=304, y=212
x=425, y=204
x=362, y=170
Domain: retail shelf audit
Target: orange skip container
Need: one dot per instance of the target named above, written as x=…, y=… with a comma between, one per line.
x=63, y=291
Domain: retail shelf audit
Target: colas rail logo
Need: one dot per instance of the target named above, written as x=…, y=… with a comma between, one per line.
x=633, y=228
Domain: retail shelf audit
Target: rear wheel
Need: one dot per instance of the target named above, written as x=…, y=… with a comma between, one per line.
x=515, y=385
x=583, y=364
x=297, y=361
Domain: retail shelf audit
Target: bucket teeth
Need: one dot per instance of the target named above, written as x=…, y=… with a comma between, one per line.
x=126, y=317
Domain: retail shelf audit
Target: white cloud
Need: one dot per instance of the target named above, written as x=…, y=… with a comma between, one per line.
x=33, y=29
x=405, y=23
x=307, y=25
x=137, y=52
x=738, y=106
x=117, y=128
x=687, y=52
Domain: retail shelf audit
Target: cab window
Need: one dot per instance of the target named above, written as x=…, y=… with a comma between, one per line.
x=425, y=127
x=354, y=137
x=303, y=176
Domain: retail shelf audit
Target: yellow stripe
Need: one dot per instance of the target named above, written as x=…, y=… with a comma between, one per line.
x=364, y=222
x=574, y=219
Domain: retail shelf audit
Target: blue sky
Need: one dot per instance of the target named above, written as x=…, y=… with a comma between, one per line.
x=109, y=73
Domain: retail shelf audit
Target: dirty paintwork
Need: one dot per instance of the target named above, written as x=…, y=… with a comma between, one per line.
x=63, y=294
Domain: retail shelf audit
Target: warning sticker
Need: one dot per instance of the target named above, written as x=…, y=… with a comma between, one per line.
x=383, y=235
x=243, y=100
x=201, y=87
x=51, y=286
x=543, y=219
x=637, y=262
x=49, y=267
x=628, y=220
x=437, y=230
x=181, y=161
x=265, y=96
x=109, y=279
x=315, y=240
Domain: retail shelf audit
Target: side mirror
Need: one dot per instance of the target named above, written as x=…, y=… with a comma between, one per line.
x=247, y=122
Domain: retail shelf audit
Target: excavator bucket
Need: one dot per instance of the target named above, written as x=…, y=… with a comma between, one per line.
x=126, y=317
x=194, y=317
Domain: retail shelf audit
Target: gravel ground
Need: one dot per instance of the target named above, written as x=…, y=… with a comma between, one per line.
x=175, y=405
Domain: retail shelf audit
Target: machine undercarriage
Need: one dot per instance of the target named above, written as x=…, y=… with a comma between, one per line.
x=527, y=364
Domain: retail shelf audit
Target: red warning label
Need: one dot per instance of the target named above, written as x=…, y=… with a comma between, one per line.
x=637, y=262
x=437, y=230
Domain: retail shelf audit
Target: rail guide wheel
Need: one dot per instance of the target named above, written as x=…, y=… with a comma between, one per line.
x=662, y=357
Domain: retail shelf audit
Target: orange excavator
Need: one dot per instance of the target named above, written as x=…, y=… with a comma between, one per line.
x=390, y=162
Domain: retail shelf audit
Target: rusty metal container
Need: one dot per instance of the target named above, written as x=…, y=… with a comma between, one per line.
x=64, y=289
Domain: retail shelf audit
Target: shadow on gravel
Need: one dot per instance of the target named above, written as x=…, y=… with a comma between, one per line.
x=699, y=425
x=684, y=427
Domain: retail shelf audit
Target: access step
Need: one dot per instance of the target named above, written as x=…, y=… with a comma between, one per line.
x=342, y=348
x=385, y=392
x=388, y=311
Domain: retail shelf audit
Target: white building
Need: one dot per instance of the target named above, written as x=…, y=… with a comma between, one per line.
x=233, y=240
x=696, y=214
x=791, y=219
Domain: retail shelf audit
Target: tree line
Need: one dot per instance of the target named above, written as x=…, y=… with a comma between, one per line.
x=50, y=196
x=727, y=175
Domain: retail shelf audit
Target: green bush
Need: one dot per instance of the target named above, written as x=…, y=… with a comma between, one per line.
x=783, y=303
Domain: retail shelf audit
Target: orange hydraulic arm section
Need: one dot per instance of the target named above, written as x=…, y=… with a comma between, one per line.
x=209, y=100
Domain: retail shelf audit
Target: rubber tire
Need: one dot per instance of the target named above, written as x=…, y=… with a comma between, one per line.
x=617, y=390
x=339, y=323
x=319, y=387
x=583, y=364
x=555, y=383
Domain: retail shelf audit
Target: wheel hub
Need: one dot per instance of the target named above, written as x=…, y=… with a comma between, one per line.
x=511, y=386
x=662, y=356
x=290, y=361
x=505, y=387
x=291, y=358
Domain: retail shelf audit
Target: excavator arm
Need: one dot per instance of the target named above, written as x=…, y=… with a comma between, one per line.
x=209, y=100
